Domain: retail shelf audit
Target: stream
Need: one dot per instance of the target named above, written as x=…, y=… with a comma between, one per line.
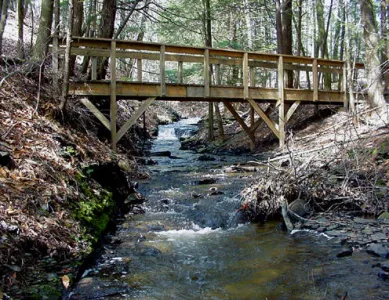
x=190, y=245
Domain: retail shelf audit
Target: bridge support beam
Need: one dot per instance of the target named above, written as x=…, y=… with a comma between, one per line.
x=241, y=123
x=134, y=118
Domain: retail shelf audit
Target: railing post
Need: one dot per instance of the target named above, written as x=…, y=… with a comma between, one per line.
x=113, y=105
x=94, y=68
x=206, y=74
x=139, y=70
x=252, y=84
x=162, y=70
x=180, y=77
x=281, y=100
x=245, y=75
x=315, y=80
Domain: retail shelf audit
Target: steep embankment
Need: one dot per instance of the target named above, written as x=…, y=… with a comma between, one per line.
x=60, y=185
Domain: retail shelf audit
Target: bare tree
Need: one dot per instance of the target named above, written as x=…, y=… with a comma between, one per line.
x=3, y=19
x=372, y=64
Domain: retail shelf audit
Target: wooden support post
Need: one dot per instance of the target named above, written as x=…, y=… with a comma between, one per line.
x=94, y=68
x=139, y=70
x=242, y=124
x=281, y=100
x=219, y=117
x=55, y=64
x=94, y=110
x=315, y=80
x=113, y=106
x=252, y=84
x=219, y=120
x=180, y=77
x=145, y=104
x=344, y=86
x=206, y=74
x=245, y=75
x=162, y=70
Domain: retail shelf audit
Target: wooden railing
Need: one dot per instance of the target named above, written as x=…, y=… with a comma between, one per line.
x=227, y=76
x=249, y=65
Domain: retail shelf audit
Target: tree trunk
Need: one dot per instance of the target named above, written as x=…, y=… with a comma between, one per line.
x=44, y=31
x=78, y=16
x=65, y=87
x=372, y=64
x=279, y=26
x=207, y=23
x=106, y=30
x=3, y=19
x=20, y=42
x=287, y=38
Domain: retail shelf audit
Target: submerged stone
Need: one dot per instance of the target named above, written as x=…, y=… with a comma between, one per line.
x=345, y=251
x=378, y=250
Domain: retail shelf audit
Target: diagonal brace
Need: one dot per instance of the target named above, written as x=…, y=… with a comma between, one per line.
x=145, y=104
x=241, y=123
x=265, y=118
x=292, y=109
x=95, y=111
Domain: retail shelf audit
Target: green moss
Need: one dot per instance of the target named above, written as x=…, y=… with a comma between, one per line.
x=93, y=208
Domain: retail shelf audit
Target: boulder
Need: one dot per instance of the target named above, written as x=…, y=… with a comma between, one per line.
x=345, y=251
x=378, y=250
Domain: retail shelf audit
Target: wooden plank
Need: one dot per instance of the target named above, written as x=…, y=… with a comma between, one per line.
x=291, y=110
x=94, y=110
x=180, y=77
x=269, y=122
x=190, y=58
x=315, y=81
x=113, y=104
x=105, y=43
x=206, y=74
x=189, y=91
x=139, y=70
x=94, y=68
x=241, y=123
x=281, y=100
x=245, y=75
x=162, y=75
x=145, y=104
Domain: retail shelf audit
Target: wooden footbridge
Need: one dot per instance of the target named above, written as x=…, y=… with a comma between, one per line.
x=259, y=78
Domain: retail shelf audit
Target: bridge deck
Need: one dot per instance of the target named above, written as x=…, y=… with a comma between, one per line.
x=191, y=92
x=215, y=75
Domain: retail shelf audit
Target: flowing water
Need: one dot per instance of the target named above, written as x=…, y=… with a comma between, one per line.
x=189, y=245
